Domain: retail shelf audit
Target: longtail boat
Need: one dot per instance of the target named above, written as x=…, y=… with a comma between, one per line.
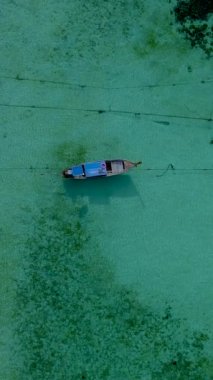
x=104, y=168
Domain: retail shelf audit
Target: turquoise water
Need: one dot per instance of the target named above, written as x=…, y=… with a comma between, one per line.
x=105, y=279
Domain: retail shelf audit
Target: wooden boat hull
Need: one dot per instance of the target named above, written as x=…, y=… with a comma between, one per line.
x=96, y=169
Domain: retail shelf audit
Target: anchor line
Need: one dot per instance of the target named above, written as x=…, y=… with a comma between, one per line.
x=85, y=86
x=102, y=111
x=169, y=168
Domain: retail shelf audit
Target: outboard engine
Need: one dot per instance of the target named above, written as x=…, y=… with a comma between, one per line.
x=67, y=173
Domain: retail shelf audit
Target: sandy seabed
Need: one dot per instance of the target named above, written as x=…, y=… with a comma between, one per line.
x=98, y=274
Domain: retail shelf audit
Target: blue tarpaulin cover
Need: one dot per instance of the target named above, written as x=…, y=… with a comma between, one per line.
x=93, y=169
x=77, y=170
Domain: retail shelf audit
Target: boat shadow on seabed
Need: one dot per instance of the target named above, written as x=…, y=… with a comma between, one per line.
x=101, y=190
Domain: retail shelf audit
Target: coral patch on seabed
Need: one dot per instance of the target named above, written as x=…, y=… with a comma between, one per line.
x=73, y=321
x=195, y=23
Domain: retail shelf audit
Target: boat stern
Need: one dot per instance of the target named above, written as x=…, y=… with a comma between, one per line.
x=67, y=173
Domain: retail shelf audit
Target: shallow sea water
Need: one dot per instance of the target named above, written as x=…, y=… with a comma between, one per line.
x=111, y=278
